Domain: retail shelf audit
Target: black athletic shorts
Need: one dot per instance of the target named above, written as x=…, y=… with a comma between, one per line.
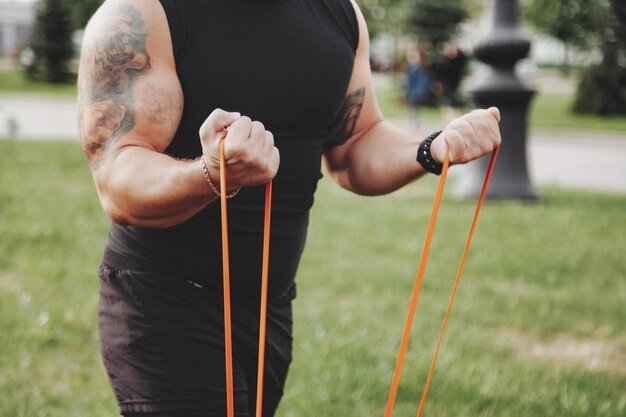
x=162, y=342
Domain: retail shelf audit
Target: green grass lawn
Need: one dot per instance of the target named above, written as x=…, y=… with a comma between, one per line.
x=537, y=328
x=16, y=82
x=553, y=111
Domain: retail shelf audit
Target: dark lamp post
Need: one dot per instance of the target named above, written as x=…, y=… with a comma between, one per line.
x=501, y=50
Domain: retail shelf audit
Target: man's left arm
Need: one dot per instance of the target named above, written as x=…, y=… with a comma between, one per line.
x=371, y=156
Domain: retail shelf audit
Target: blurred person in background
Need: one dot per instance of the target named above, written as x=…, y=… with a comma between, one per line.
x=418, y=83
x=451, y=74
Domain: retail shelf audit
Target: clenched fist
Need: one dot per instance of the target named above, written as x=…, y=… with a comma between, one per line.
x=249, y=151
x=468, y=137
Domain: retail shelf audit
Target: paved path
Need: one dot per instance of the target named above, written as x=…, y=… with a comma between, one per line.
x=570, y=159
x=40, y=117
x=577, y=160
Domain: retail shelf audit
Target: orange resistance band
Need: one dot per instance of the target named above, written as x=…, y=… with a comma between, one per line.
x=418, y=283
x=265, y=268
x=228, y=349
x=416, y=289
x=226, y=276
x=264, y=278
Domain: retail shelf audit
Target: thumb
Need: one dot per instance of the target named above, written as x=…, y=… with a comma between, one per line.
x=495, y=112
x=438, y=148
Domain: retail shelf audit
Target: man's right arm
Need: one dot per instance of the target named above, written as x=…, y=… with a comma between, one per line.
x=130, y=104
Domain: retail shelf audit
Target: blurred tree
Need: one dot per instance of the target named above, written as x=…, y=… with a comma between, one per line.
x=590, y=24
x=397, y=17
x=51, y=42
x=475, y=7
x=570, y=21
x=602, y=89
x=82, y=10
x=393, y=15
x=383, y=16
x=436, y=21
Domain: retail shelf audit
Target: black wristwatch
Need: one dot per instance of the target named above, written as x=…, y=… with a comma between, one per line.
x=425, y=158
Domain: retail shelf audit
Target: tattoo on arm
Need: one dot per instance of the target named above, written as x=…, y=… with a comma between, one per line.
x=116, y=60
x=159, y=105
x=343, y=127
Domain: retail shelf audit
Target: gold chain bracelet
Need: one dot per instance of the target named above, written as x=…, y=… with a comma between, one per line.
x=208, y=179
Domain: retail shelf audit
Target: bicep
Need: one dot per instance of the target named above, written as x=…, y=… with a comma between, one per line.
x=360, y=111
x=129, y=93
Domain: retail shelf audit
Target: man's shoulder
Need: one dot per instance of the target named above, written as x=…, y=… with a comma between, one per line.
x=120, y=16
x=146, y=5
x=132, y=9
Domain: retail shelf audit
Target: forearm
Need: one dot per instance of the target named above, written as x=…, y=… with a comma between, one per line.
x=146, y=188
x=380, y=161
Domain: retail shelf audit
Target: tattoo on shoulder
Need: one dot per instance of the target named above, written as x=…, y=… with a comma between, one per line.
x=343, y=127
x=117, y=58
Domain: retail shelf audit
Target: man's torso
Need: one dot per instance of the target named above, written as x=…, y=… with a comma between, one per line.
x=285, y=63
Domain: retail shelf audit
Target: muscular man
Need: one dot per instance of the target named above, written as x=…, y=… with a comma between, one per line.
x=295, y=80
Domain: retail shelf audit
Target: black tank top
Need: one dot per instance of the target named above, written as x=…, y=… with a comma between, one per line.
x=285, y=63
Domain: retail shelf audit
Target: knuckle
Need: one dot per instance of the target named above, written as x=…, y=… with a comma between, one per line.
x=452, y=125
x=215, y=116
x=460, y=125
x=465, y=124
x=268, y=168
x=275, y=167
x=257, y=131
x=275, y=160
x=236, y=151
x=252, y=161
x=478, y=112
x=258, y=125
x=215, y=113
